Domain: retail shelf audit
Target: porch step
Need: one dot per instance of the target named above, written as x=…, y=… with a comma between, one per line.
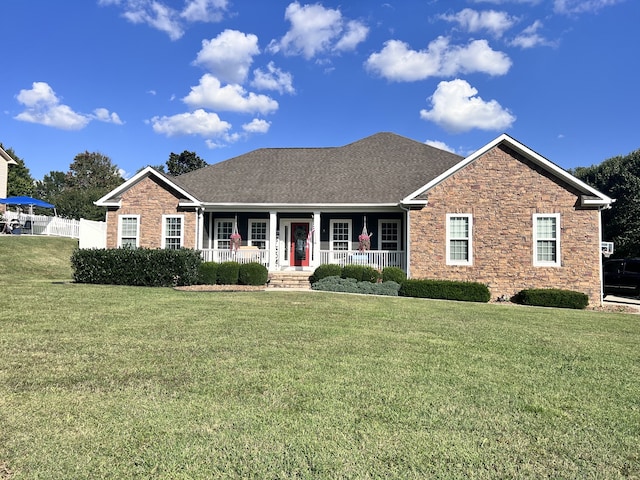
x=289, y=280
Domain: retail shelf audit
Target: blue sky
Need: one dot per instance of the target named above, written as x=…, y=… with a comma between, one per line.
x=138, y=79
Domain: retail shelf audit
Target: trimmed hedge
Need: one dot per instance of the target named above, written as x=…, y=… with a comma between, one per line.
x=326, y=270
x=446, y=290
x=394, y=274
x=208, y=273
x=351, y=285
x=228, y=273
x=136, y=266
x=551, y=297
x=253, y=273
x=362, y=273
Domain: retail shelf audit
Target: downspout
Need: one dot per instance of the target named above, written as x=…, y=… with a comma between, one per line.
x=407, y=238
x=601, y=278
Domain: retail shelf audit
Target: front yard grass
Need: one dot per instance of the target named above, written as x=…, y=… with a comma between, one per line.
x=124, y=382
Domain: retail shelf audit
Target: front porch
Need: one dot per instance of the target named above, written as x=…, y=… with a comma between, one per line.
x=377, y=259
x=301, y=241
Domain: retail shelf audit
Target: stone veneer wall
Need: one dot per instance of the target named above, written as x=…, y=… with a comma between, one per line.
x=502, y=190
x=150, y=200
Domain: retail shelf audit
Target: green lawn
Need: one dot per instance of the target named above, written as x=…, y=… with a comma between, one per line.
x=123, y=382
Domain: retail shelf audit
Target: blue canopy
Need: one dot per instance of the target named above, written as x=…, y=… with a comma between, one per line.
x=32, y=202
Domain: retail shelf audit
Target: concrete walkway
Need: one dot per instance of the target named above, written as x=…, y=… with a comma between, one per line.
x=633, y=303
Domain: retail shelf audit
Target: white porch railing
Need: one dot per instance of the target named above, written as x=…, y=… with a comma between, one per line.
x=378, y=259
x=45, y=225
x=240, y=256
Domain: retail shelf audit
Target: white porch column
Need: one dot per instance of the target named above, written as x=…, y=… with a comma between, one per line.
x=316, y=239
x=273, y=227
x=199, y=227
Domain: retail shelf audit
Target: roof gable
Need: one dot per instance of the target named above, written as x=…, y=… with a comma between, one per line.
x=589, y=197
x=4, y=155
x=112, y=199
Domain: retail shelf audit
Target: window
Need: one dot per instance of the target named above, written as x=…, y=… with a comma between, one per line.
x=258, y=233
x=340, y=235
x=129, y=231
x=546, y=240
x=172, y=231
x=389, y=238
x=224, y=229
x=459, y=250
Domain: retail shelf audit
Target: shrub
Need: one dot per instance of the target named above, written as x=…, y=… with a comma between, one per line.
x=393, y=274
x=136, y=266
x=445, y=289
x=552, y=297
x=351, y=285
x=228, y=273
x=208, y=273
x=326, y=270
x=362, y=273
x=253, y=273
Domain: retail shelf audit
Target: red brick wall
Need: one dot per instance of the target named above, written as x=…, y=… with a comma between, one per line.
x=502, y=190
x=150, y=200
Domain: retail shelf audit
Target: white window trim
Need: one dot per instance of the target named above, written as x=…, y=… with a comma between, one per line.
x=332, y=222
x=399, y=239
x=250, y=239
x=215, y=230
x=163, y=240
x=536, y=262
x=120, y=218
x=469, y=260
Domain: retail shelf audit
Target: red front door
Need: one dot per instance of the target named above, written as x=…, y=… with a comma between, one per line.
x=299, y=245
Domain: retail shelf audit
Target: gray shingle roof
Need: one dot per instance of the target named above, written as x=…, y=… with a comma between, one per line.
x=380, y=169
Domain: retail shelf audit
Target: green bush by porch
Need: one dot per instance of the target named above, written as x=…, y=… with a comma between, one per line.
x=551, y=297
x=148, y=267
x=446, y=290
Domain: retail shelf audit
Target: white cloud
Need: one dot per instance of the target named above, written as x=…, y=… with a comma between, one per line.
x=318, y=30
x=440, y=145
x=397, y=62
x=257, y=125
x=42, y=106
x=571, y=7
x=199, y=122
x=204, y=10
x=211, y=94
x=530, y=37
x=103, y=115
x=162, y=17
x=489, y=20
x=229, y=56
x=457, y=108
x=273, y=79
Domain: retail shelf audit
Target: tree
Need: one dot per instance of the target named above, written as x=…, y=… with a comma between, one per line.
x=93, y=170
x=19, y=179
x=619, y=178
x=52, y=185
x=90, y=176
x=183, y=163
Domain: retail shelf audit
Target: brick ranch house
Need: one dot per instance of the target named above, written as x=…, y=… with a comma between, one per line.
x=504, y=216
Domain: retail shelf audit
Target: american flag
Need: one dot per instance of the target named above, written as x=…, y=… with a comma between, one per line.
x=310, y=237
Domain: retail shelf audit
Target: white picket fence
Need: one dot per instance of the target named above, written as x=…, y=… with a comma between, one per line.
x=45, y=225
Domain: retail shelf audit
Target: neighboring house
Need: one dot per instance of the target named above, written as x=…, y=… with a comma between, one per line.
x=5, y=161
x=504, y=216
